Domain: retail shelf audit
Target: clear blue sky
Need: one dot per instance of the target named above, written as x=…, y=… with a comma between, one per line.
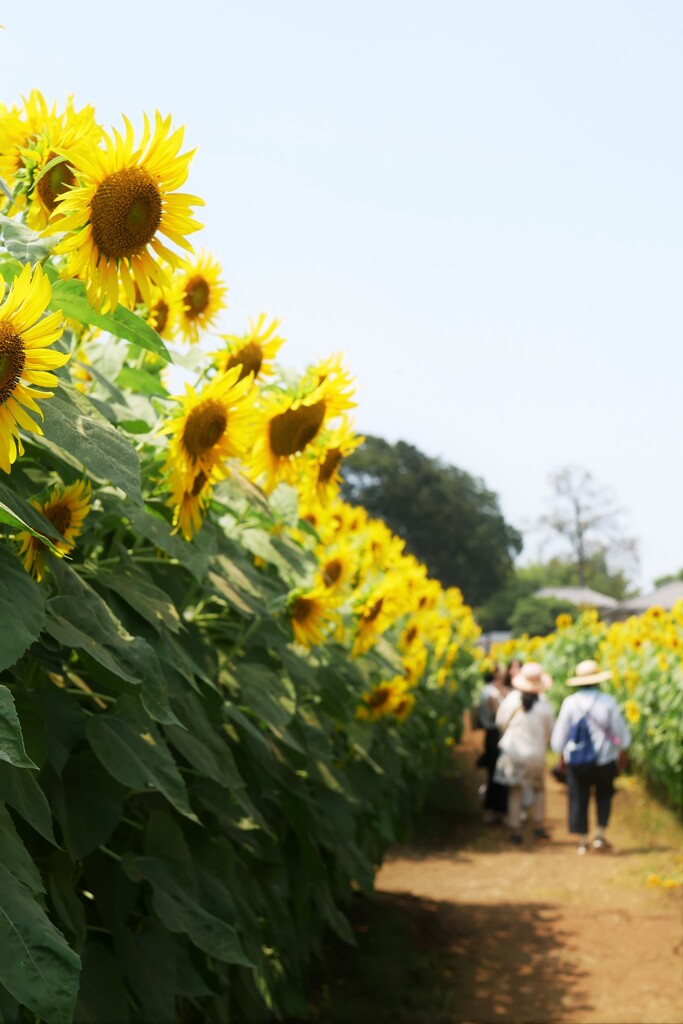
x=479, y=203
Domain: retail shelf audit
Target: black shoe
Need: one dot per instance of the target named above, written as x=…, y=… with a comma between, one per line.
x=541, y=833
x=516, y=839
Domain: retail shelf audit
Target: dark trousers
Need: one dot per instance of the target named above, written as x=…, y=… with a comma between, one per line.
x=581, y=779
x=496, y=798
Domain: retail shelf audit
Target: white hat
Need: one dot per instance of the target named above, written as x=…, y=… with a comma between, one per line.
x=587, y=673
x=532, y=679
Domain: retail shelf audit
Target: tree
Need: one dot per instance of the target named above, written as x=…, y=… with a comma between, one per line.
x=536, y=615
x=670, y=578
x=585, y=516
x=448, y=518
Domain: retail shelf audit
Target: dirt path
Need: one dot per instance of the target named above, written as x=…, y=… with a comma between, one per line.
x=466, y=929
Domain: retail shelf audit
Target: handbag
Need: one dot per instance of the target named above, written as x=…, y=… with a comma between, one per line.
x=559, y=771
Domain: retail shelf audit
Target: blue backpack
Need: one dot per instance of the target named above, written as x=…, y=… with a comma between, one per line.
x=580, y=743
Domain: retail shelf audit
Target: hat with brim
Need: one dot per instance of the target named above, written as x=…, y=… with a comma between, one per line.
x=587, y=674
x=532, y=679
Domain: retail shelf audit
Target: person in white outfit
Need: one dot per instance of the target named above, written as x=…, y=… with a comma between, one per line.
x=609, y=736
x=526, y=723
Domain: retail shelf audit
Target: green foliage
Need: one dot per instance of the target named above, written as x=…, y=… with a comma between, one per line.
x=536, y=615
x=500, y=608
x=670, y=578
x=186, y=797
x=448, y=518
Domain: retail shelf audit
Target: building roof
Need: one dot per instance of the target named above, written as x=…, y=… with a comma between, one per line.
x=579, y=596
x=664, y=596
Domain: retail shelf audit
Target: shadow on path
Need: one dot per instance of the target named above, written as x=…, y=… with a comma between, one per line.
x=422, y=961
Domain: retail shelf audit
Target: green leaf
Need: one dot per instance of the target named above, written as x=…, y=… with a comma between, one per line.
x=138, y=758
x=15, y=856
x=79, y=618
x=196, y=556
x=271, y=697
x=12, y=747
x=284, y=502
x=25, y=245
x=74, y=424
x=88, y=804
x=36, y=967
x=233, y=584
x=63, y=877
x=204, y=746
x=17, y=513
x=180, y=912
x=20, y=790
x=102, y=996
x=148, y=960
x=137, y=589
x=22, y=612
x=141, y=382
x=70, y=297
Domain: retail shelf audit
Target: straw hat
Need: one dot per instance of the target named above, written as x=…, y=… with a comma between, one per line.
x=532, y=679
x=588, y=673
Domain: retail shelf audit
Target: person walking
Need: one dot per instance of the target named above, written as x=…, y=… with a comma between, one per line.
x=495, y=795
x=590, y=734
x=526, y=724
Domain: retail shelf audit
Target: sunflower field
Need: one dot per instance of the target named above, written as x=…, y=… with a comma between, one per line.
x=223, y=692
x=645, y=657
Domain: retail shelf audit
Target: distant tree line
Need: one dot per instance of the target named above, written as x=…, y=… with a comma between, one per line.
x=453, y=523
x=448, y=518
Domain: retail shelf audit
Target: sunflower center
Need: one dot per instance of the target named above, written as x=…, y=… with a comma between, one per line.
x=204, y=428
x=249, y=357
x=329, y=466
x=373, y=611
x=293, y=429
x=196, y=298
x=332, y=572
x=379, y=697
x=60, y=516
x=55, y=183
x=125, y=212
x=199, y=482
x=302, y=609
x=160, y=313
x=411, y=634
x=12, y=359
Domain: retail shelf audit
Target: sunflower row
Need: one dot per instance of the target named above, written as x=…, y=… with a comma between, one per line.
x=233, y=686
x=644, y=653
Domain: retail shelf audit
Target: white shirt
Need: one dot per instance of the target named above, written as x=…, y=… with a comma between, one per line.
x=528, y=732
x=486, y=716
x=608, y=730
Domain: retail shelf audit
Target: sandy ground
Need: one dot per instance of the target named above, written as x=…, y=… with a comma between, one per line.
x=538, y=933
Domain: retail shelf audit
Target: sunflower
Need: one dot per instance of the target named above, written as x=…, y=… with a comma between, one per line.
x=18, y=126
x=312, y=614
x=403, y=706
x=321, y=475
x=200, y=294
x=125, y=199
x=253, y=351
x=25, y=357
x=414, y=664
x=381, y=700
x=163, y=313
x=374, y=616
x=290, y=422
x=47, y=175
x=338, y=380
x=66, y=509
x=190, y=499
x=337, y=566
x=213, y=426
